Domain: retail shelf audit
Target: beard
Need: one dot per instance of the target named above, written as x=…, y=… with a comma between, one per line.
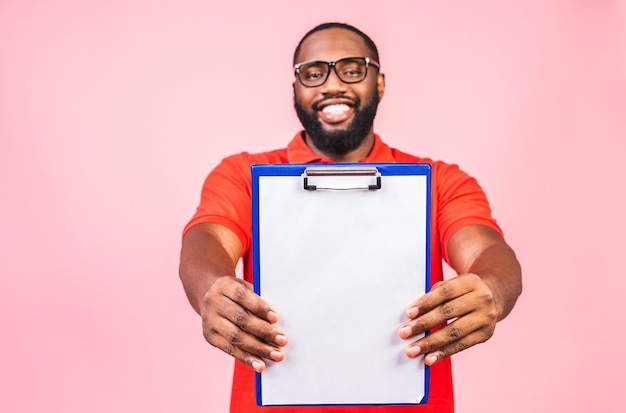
x=343, y=141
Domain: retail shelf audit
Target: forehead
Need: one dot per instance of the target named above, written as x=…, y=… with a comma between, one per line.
x=333, y=44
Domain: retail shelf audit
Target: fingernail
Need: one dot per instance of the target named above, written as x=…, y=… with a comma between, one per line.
x=276, y=355
x=431, y=359
x=405, y=332
x=413, y=351
x=272, y=316
x=412, y=312
x=281, y=339
x=257, y=366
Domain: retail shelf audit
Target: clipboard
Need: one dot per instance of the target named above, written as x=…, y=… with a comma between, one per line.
x=340, y=251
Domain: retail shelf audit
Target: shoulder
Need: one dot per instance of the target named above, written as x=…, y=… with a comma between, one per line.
x=272, y=156
x=440, y=169
x=448, y=180
x=242, y=161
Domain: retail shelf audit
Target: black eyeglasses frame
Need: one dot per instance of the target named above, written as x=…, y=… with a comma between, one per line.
x=333, y=65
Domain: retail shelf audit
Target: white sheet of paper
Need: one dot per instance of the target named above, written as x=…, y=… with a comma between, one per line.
x=341, y=267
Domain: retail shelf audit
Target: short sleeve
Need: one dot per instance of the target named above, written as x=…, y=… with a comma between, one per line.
x=460, y=201
x=226, y=198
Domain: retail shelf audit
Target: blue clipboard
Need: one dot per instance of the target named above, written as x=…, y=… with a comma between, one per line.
x=340, y=251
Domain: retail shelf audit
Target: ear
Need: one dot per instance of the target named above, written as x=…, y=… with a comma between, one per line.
x=380, y=84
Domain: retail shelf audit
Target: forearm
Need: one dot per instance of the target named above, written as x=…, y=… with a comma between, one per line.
x=208, y=253
x=498, y=267
x=482, y=251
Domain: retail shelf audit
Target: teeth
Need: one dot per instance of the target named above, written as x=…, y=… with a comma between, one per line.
x=336, y=108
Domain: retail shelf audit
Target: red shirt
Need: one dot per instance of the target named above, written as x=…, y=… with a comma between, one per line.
x=457, y=201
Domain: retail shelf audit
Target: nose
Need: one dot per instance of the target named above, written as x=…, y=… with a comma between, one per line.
x=333, y=84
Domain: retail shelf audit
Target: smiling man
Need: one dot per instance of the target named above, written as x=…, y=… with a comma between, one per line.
x=337, y=88
x=337, y=112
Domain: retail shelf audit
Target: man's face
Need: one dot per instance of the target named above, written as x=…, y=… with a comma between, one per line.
x=337, y=117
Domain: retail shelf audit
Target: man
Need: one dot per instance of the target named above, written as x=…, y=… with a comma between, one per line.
x=337, y=89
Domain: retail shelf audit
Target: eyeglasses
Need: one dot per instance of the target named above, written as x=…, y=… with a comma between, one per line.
x=348, y=70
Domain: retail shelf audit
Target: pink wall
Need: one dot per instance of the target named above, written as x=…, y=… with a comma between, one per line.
x=112, y=113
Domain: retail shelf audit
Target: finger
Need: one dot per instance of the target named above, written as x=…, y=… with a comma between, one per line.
x=241, y=339
x=253, y=361
x=442, y=313
x=245, y=321
x=241, y=293
x=441, y=292
x=412, y=309
x=220, y=313
x=456, y=336
x=466, y=342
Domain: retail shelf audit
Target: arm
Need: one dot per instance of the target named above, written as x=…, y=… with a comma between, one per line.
x=483, y=293
x=234, y=318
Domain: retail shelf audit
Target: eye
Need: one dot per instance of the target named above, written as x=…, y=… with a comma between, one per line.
x=353, y=72
x=313, y=75
x=312, y=71
x=352, y=69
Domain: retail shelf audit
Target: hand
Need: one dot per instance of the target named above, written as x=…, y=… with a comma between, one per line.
x=240, y=323
x=466, y=303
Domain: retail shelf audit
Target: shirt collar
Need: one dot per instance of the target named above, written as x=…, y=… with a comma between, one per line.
x=299, y=152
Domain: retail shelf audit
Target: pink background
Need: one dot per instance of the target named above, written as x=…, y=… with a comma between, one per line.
x=112, y=113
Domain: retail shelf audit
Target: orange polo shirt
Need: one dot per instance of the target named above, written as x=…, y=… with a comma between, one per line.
x=457, y=201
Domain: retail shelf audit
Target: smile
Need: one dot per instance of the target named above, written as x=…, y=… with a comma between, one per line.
x=335, y=112
x=336, y=109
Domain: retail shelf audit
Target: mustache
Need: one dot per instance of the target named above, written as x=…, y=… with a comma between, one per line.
x=356, y=101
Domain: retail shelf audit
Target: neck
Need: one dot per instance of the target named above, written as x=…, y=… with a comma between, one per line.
x=354, y=156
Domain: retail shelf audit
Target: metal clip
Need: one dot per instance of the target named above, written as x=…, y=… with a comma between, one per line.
x=342, y=171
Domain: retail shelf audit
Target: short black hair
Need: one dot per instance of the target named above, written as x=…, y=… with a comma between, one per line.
x=334, y=25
